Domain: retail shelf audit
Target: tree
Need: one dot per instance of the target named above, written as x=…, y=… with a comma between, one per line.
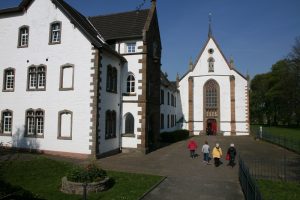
x=275, y=96
x=295, y=68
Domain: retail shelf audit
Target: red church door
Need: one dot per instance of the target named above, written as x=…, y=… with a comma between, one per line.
x=212, y=125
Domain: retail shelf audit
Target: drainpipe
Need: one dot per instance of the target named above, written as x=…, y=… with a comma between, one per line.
x=121, y=106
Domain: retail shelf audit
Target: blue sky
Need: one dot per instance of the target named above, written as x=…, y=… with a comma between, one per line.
x=256, y=33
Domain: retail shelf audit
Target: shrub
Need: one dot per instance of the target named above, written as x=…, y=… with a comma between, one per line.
x=174, y=136
x=89, y=173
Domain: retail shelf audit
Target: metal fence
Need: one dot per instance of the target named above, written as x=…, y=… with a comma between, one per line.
x=275, y=170
x=248, y=183
x=282, y=141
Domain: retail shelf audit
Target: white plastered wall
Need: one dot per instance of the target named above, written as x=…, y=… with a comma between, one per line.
x=74, y=49
x=130, y=104
x=109, y=101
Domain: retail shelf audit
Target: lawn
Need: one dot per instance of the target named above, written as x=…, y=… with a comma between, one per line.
x=291, y=133
x=42, y=177
x=288, y=137
x=277, y=190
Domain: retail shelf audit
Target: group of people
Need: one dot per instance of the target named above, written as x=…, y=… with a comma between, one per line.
x=216, y=153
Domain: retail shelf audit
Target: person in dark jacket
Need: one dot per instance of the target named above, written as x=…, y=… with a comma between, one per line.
x=232, y=153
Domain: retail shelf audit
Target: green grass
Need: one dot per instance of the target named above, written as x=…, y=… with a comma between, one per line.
x=290, y=133
x=42, y=177
x=288, y=137
x=277, y=190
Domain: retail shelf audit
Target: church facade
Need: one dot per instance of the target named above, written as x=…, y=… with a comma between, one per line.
x=214, y=95
x=81, y=86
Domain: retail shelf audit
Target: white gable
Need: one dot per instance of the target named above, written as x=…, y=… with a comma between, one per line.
x=220, y=64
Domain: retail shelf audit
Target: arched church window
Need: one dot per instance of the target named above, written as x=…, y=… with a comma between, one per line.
x=211, y=62
x=211, y=94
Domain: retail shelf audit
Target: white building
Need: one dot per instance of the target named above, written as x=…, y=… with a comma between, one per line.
x=169, y=107
x=214, y=94
x=64, y=87
x=93, y=86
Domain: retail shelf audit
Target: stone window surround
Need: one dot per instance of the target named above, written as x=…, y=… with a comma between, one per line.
x=162, y=97
x=28, y=77
x=125, y=120
x=4, y=80
x=51, y=33
x=67, y=65
x=60, y=113
x=110, y=120
x=112, y=79
x=2, y=124
x=26, y=126
x=162, y=121
x=19, y=36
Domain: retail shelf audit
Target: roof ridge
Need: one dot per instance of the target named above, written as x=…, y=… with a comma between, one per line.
x=125, y=12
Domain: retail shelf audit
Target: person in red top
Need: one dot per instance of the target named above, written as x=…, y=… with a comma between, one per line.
x=192, y=146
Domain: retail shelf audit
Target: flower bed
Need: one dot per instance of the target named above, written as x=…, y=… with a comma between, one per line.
x=91, y=177
x=70, y=187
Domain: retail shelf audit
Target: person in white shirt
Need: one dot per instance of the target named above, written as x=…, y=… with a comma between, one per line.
x=205, y=151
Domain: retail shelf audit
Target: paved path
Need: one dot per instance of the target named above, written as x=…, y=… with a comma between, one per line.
x=188, y=178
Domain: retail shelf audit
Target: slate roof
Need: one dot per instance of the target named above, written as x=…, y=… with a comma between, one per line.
x=121, y=25
x=80, y=21
x=172, y=85
x=20, y=8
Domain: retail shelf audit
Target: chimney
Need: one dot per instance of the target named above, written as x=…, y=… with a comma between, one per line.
x=177, y=80
x=191, y=65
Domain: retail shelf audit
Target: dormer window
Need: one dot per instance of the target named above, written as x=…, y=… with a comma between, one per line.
x=131, y=47
x=55, y=33
x=23, y=36
x=211, y=62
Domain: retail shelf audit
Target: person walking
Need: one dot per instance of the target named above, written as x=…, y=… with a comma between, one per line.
x=192, y=146
x=205, y=151
x=217, y=154
x=231, y=153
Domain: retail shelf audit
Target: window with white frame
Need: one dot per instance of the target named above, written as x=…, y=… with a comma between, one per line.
x=6, y=122
x=67, y=77
x=23, y=36
x=130, y=84
x=55, y=33
x=9, y=80
x=34, y=123
x=36, y=78
x=65, y=119
x=131, y=47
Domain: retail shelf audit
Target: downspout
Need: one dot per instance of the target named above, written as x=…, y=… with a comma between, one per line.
x=121, y=107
